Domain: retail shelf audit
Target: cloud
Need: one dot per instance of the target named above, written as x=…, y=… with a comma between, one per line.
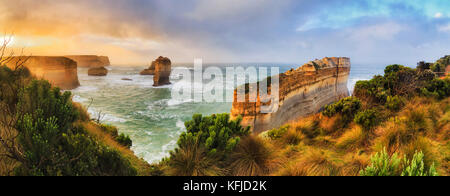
x=231, y=30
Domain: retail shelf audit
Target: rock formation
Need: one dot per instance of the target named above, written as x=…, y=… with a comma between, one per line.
x=60, y=71
x=90, y=61
x=98, y=71
x=302, y=92
x=161, y=69
x=150, y=70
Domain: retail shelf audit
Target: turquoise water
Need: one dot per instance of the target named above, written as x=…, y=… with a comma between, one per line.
x=149, y=115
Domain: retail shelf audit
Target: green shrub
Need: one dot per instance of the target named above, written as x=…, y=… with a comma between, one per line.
x=347, y=107
x=441, y=64
x=437, y=88
x=52, y=146
x=367, y=119
x=278, y=133
x=112, y=130
x=416, y=167
x=383, y=165
x=124, y=140
x=394, y=103
x=217, y=133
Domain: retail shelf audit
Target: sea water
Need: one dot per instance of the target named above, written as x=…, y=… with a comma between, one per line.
x=148, y=114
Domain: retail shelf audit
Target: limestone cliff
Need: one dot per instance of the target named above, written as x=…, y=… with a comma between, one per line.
x=60, y=71
x=302, y=92
x=90, y=60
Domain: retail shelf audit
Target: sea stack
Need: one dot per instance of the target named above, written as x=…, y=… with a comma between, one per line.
x=302, y=92
x=59, y=71
x=98, y=71
x=163, y=68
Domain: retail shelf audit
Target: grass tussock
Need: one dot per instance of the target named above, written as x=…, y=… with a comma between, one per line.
x=253, y=157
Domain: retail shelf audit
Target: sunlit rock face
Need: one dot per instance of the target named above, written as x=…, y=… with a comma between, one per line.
x=98, y=71
x=90, y=61
x=303, y=92
x=163, y=68
x=59, y=71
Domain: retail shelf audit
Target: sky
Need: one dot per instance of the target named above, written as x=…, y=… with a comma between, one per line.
x=134, y=32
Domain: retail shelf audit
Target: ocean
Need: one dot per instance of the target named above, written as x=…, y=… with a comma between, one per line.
x=148, y=114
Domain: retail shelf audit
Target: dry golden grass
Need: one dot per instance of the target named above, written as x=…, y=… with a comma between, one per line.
x=328, y=148
x=253, y=157
x=352, y=139
x=314, y=162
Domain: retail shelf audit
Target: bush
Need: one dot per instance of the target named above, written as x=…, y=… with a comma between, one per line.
x=124, y=140
x=367, y=119
x=112, y=130
x=382, y=164
x=278, y=133
x=394, y=103
x=52, y=145
x=347, y=107
x=441, y=64
x=217, y=133
x=437, y=88
x=416, y=167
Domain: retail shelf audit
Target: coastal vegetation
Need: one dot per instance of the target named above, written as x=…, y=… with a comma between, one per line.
x=396, y=124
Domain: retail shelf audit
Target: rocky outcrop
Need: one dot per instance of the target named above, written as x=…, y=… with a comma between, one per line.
x=98, y=71
x=90, y=61
x=161, y=69
x=59, y=71
x=302, y=92
x=150, y=70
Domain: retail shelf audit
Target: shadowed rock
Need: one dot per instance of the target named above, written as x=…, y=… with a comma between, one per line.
x=59, y=71
x=98, y=71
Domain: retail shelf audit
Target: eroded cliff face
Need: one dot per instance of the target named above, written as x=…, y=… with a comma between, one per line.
x=163, y=68
x=59, y=71
x=302, y=92
x=90, y=61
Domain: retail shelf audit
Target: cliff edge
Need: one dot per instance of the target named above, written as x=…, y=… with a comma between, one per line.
x=59, y=71
x=302, y=92
x=90, y=61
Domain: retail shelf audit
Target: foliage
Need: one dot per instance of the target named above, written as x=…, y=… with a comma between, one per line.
x=441, y=64
x=394, y=103
x=416, y=167
x=367, y=119
x=124, y=140
x=438, y=88
x=277, y=133
x=193, y=160
x=216, y=133
x=382, y=164
x=50, y=143
x=347, y=107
